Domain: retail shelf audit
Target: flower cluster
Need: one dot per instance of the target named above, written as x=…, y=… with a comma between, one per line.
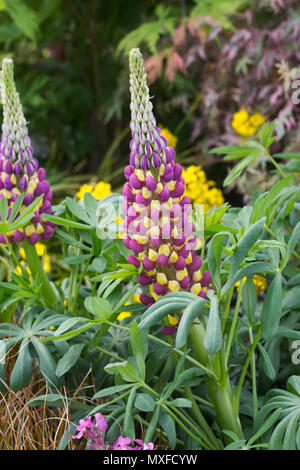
x=157, y=214
x=246, y=124
x=98, y=190
x=19, y=170
x=199, y=189
x=95, y=433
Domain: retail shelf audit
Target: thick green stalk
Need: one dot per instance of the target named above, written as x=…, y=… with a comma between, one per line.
x=36, y=268
x=219, y=387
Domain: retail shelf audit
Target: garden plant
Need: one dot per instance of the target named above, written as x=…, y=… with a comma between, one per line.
x=167, y=318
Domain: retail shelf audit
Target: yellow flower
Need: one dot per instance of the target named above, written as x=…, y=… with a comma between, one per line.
x=98, y=190
x=260, y=283
x=246, y=124
x=47, y=264
x=101, y=190
x=41, y=250
x=172, y=139
x=85, y=188
x=199, y=189
x=123, y=315
x=257, y=119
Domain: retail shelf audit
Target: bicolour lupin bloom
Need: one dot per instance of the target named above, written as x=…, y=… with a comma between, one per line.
x=19, y=169
x=157, y=214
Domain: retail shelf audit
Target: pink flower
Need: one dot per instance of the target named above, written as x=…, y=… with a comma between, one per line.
x=122, y=443
x=84, y=425
x=149, y=446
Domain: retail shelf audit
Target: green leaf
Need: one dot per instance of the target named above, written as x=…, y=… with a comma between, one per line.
x=180, y=403
x=69, y=359
x=3, y=209
x=249, y=298
x=266, y=425
x=99, y=307
x=213, y=335
x=79, y=259
x=15, y=209
x=128, y=423
x=271, y=311
x=144, y=402
x=112, y=390
x=186, y=321
x=238, y=168
x=77, y=210
x=47, y=362
x=125, y=369
x=266, y=363
x=244, y=245
x=168, y=425
x=22, y=17
x=293, y=240
x=159, y=312
x=139, y=347
x=214, y=258
x=65, y=222
x=56, y=400
x=22, y=371
x=151, y=430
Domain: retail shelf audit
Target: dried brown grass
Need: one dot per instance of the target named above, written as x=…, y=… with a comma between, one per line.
x=23, y=427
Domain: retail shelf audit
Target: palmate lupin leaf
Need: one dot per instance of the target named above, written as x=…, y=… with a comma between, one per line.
x=285, y=433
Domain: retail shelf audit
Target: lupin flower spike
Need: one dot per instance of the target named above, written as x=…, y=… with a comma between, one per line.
x=156, y=224
x=19, y=170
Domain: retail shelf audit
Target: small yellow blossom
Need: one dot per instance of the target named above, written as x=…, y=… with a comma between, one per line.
x=260, y=283
x=246, y=124
x=122, y=315
x=41, y=250
x=172, y=139
x=199, y=189
x=98, y=190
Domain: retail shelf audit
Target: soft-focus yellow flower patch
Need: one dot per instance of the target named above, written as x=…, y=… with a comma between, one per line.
x=41, y=250
x=199, y=189
x=172, y=139
x=98, y=190
x=260, y=283
x=122, y=315
x=245, y=124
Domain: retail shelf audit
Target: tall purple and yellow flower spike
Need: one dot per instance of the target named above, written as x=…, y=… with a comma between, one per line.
x=157, y=225
x=19, y=170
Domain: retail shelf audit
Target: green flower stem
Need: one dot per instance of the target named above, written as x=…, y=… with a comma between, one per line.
x=275, y=164
x=219, y=388
x=234, y=323
x=36, y=268
x=227, y=308
x=201, y=420
x=253, y=376
x=247, y=362
x=77, y=289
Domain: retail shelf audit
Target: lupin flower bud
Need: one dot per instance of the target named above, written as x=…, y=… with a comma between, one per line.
x=157, y=223
x=19, y=170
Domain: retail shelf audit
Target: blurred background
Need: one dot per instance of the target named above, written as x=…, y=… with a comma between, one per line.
x=217, y=71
